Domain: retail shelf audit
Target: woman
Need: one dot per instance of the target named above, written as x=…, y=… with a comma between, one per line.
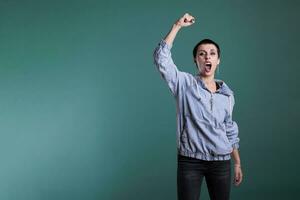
x=207, y=137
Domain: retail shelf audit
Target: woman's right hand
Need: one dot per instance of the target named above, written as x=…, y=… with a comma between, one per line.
x=186, y=20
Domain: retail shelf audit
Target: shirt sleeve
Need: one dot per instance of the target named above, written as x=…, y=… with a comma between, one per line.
x=232, y=130
x=168, y=70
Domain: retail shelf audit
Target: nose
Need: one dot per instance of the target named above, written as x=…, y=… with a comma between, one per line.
x=207, y=57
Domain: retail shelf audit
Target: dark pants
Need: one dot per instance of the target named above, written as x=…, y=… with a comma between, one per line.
x=190, y=173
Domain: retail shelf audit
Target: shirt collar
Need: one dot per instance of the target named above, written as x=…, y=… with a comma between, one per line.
x=223, y=88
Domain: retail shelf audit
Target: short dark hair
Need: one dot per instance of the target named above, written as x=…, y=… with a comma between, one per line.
x=206, y=41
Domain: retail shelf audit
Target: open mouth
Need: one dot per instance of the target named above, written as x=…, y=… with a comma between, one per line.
x=207, y=67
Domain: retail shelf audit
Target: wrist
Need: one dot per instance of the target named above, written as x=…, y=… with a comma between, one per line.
x=237, y=165
x=177, y=26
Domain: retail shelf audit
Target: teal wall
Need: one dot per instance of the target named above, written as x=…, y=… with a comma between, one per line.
x=84, y=114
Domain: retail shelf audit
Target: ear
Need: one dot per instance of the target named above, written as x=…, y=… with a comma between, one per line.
x=219, y=60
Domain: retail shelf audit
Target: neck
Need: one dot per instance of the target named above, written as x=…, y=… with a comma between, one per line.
x=208, y=80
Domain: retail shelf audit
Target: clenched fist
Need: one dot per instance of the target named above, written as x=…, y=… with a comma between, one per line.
x=186, y=20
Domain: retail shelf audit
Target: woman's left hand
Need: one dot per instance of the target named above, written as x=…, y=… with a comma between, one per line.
x=238, y=175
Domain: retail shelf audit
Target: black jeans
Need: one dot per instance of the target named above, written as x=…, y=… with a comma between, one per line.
x=190, y=173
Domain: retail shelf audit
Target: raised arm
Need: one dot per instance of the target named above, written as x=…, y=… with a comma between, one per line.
x=163, y=59
x=184, y=21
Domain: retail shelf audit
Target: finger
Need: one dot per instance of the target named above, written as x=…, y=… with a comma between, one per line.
x=238, y=179
x=192, y=20
x=238, y=182
x=186, y=15
x=188, y=18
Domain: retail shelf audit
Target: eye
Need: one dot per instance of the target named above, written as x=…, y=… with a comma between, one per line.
x=212, y=53
x=201, y=54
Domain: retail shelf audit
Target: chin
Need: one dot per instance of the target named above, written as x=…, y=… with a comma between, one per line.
x=206, y=74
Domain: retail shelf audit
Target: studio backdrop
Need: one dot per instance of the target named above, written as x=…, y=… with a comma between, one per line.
x=85, y=114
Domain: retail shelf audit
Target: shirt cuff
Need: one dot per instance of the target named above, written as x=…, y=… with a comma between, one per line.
x=165, y=45
x=236, y=146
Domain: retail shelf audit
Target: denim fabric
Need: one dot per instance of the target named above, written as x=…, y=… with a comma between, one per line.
x=205, y=129
x=190, y=174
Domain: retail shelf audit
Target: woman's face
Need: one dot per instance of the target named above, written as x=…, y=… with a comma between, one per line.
x=207, y=59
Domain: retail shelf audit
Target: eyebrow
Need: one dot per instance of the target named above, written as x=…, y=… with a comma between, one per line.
x=205, y=51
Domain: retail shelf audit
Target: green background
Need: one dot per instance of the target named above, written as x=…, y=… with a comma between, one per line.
x=84, y=113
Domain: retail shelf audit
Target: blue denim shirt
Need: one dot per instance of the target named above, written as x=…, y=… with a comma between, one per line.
x=205, y=129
